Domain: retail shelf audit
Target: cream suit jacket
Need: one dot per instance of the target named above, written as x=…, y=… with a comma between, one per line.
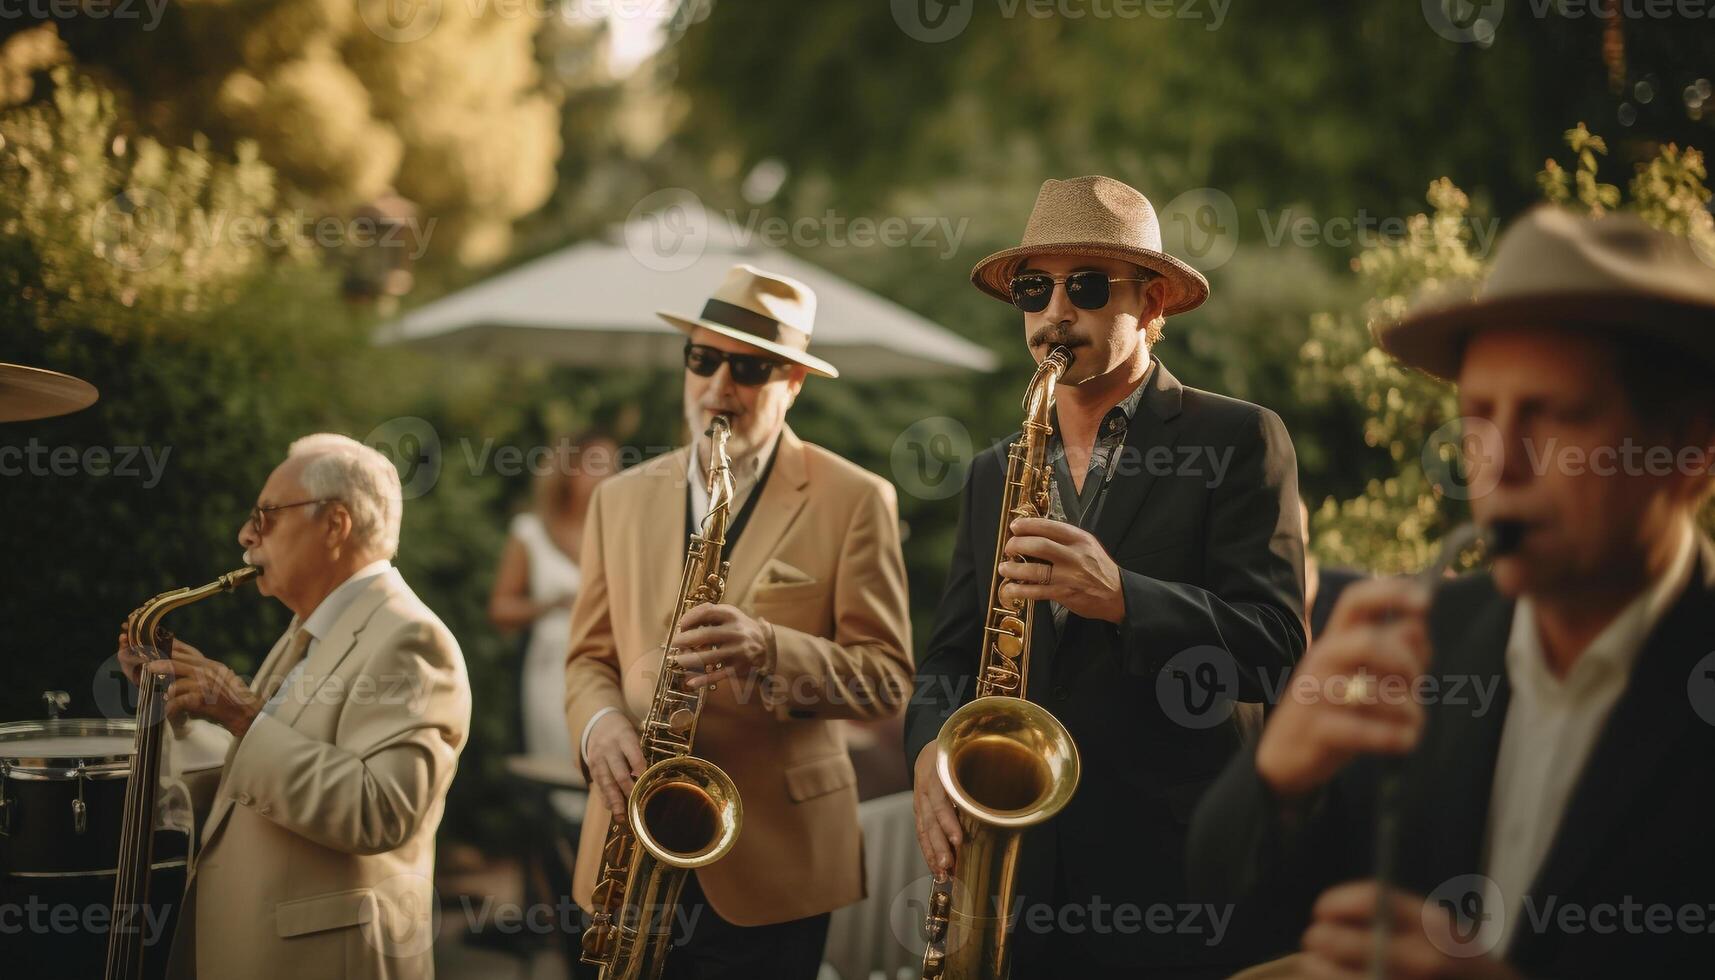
x=317, y=858
x=820, y=561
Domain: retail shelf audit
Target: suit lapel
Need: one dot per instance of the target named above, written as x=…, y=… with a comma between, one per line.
x=1455, y=771
x=775, y=510
x=332, y=649
x=1152, y=426
x=662, y=501
x=1639, y=737
x=258, y=682
x=272, y=660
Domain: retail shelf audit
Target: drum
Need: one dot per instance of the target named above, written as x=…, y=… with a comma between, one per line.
x=62, y=803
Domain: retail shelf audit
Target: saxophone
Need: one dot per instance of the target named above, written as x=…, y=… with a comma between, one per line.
x=1006, y=763
x=683, y=812
x=143, y=632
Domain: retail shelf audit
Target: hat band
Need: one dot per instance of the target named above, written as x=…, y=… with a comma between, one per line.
x=737, y=317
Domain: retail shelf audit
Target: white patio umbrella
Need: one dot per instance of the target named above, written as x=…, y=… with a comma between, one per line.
x=594, y=304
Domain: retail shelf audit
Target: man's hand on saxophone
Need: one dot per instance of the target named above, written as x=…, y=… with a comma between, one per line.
x=615, y=758
x=722, y=635
x=200, y=687
x=1072, y=568
x=938, y=834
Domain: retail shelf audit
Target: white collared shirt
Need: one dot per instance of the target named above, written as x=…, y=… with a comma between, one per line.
x=322, y=618
x=1551, y=726
x=746, y=471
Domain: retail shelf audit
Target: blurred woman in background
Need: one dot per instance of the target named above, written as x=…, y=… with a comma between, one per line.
x=539, y=578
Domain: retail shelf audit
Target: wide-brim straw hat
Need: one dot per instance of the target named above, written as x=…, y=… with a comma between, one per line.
x=1097, y=216
x=772, y=312
x=1555, y=268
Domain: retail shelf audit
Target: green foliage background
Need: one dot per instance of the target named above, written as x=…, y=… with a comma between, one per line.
x=125, y=147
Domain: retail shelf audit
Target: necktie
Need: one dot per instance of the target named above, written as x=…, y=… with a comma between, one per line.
x=294, y=655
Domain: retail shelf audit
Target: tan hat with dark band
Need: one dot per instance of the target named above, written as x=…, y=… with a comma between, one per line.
x=772, y=312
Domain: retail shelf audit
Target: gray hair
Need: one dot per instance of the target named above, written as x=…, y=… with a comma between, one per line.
x=365, y=481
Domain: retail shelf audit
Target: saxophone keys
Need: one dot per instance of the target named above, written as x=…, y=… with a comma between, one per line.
x=680, y=721
x=1009, y=637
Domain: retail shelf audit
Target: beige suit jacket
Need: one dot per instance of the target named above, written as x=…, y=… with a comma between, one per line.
x=820, y=560
x=317, y=859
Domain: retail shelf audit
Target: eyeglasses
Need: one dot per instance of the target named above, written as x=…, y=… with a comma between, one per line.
x=259, y=514
x=747, y=369
x=1087, y=289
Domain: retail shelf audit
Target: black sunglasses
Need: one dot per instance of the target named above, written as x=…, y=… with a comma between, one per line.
x=747, y=369
x=1087, y=289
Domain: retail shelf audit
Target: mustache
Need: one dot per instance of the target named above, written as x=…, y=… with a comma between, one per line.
x=1057, y=336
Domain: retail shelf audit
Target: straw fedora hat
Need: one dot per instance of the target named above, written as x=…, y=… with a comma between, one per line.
x=1094, y=216
x=774, y=313
x=1554, y=268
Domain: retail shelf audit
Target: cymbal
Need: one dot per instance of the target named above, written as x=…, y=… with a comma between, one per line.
x=36, y=393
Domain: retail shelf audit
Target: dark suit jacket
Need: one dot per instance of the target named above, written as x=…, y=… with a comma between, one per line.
x=1213, y=572
x=1636, y=829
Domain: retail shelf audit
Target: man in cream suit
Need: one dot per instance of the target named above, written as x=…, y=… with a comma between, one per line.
x=317, y=859
x=813, y=629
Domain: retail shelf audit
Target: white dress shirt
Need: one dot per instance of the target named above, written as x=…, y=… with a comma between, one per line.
x=1551, y=726
x=746, y=471
x=322, y=619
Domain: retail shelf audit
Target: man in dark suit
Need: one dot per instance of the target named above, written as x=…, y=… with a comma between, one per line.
x=1556, y=714
x=1169, y=586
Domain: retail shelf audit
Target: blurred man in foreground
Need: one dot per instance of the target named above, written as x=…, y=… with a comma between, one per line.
x=1555, y=714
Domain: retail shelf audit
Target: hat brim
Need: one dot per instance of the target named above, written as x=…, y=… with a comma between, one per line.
x=1433, y=340
x=993, y=275
x=815, y=364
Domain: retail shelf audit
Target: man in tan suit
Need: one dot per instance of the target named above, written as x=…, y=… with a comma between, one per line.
x=813, y=629
x=317, y=858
